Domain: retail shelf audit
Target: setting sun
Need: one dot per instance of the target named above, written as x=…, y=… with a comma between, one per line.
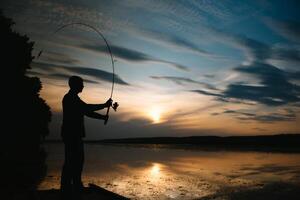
x=155, y=114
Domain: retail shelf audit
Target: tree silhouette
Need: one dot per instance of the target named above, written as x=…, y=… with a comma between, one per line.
x=25, y=115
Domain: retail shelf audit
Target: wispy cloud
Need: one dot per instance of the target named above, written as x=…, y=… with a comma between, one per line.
x=92, y=72
x=174, y=42
x=67, y=76
x=57, y=57
x=274, y=88
x=289, y=29
x=57, y=76
x=207, y=93
x=285, y=54
x=184, y=80
x=287, y=115
x=253, y=49
x=131, y=55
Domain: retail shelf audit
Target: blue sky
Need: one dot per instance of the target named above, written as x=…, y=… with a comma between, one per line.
x=183, y=67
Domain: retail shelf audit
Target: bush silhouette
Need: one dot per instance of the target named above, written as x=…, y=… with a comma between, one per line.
x=25, y=115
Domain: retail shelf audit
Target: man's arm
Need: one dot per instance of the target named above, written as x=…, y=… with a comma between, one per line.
x=93, y=107
x=96, y=115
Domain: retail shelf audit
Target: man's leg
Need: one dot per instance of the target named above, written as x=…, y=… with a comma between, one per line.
x=78, y=166
x=66, y=175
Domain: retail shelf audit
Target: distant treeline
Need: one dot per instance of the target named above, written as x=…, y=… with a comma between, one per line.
x=281, y=142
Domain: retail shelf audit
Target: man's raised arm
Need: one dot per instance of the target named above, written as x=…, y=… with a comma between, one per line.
x=88, y=108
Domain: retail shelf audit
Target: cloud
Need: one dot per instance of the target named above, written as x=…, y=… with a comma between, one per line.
x=63, y=12
x=96, y=73
x=172, y=40
x=285, y=54
x=235, y=101
x=274, y=88
x=119, y=52
x=92, y=72
x=207, y=93
x=274, y=117
x=210, y=76
x=239, y=112
x=181, y=15
x=131, y=55
x=255, y=50
x=183, y=80
x=67, y=76
x=269, y=74
x=61, y=76
x=287, y=28
x=287, y=115
x=293, y=75
x=57, y=57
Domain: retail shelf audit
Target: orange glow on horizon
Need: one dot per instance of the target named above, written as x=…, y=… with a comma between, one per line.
x=160, y=108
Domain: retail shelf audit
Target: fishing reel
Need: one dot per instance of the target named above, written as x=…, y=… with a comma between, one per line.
x=115, y=106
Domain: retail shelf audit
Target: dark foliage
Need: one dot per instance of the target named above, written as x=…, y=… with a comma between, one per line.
x=25, y=115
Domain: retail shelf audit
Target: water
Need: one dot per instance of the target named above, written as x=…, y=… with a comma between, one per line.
x=172, y=173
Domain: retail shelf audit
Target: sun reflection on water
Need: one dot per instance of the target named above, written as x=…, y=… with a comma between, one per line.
x=155, y=170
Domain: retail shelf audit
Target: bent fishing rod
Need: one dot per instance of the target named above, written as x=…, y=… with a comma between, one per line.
x=115, y=105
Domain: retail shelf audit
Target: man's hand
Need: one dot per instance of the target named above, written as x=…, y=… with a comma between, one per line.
x=108, y=103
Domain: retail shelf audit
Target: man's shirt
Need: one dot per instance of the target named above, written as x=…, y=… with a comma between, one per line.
x=74, y=110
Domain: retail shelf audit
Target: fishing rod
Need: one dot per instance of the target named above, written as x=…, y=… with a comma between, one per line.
x=115, y=105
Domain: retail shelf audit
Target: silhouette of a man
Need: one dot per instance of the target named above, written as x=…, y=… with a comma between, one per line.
x=74, y=110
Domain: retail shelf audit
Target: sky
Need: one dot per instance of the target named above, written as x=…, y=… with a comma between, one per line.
x=182, y=68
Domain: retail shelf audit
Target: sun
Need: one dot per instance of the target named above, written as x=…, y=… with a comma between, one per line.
x=155, y=114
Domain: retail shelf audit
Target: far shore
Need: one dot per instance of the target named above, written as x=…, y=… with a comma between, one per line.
x=273, y=143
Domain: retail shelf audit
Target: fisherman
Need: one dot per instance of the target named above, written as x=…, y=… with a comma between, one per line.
x=72, y=132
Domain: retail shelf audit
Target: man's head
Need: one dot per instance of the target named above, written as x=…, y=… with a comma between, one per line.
x=76, y=83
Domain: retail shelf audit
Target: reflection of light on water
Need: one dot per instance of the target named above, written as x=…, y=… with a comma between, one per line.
x=179, y=174
x=154, y=173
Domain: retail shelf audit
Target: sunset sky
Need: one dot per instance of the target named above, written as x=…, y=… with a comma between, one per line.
x=206, y=67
